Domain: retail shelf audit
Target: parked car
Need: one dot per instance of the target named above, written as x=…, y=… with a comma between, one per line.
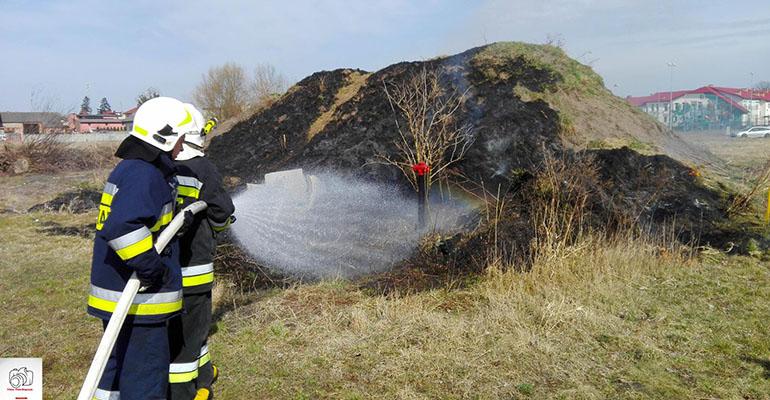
x=753, y=132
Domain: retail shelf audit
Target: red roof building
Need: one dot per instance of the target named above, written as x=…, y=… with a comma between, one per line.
x=109, y=121
x=707, y=107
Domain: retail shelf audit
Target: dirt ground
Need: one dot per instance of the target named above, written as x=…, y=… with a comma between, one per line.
x=24, y=191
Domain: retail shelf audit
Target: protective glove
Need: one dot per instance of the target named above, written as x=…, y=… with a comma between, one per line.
x=150, y=280
x=149, y=269
x=189, y=217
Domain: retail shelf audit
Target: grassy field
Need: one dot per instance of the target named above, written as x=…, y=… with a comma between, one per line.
x=627, y=319
x=736, y=152
x=620, y=320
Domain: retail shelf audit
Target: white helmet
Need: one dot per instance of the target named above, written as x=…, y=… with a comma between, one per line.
x=194, y=137
x=161, y=121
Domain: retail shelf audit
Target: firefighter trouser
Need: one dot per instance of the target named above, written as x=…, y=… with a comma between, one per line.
x=138, y=365
x=190, y=361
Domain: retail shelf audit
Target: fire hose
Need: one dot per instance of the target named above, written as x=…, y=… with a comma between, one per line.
x=124, y=303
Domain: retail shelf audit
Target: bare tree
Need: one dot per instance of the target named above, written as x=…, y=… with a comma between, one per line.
x=41, y=101
x=50, y=112
x=223, y=91
x=268, y=84
x=432, y=133
x=149, y=93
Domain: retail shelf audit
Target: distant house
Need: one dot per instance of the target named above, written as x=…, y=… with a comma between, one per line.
x=30, y=123
x=128, y=121
x=707, y=107
x=109, y=121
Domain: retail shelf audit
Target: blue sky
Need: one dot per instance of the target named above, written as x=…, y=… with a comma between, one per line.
x=62, y=50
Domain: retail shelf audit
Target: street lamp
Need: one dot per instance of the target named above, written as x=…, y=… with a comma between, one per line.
x=671, y=66
x=751, y=99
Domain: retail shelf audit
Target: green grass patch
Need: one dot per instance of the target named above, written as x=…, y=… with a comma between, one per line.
x=572, y=75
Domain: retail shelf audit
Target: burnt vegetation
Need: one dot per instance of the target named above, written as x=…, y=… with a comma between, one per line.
x=529, y=109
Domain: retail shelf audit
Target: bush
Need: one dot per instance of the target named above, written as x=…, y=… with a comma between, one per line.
x=46, y=154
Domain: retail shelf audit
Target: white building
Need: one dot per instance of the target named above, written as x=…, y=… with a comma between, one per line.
x=708, y=107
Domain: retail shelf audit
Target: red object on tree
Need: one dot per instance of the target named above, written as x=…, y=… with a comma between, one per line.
x=421, y=168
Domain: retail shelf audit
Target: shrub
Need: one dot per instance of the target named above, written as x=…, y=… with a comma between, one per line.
x=47, y=154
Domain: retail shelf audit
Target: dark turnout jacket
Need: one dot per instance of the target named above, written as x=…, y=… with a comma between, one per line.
x=137, y=203
x=199, y=179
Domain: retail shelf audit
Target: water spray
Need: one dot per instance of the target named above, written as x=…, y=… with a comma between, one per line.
x=325, y=225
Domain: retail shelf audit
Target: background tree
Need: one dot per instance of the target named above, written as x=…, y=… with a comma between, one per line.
x=85, y=106
x=104, y=106
x=432, y=132
x=762, y=85
x=223, y=91
x=149, y=93
x=267, y=85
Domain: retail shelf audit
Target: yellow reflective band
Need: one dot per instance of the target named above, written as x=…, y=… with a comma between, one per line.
x=110, y=189
x=219, y=227
x=182, y=377
x=136, y=309
x=186, y=119
x=106, y=199
x=135, y=249
x=140, y=130
x=203, y=360
x=104, y=212
x=164, y=220
x=188, y=191
x=197, y=280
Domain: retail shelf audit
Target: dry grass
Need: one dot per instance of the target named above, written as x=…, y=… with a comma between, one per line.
x=23, y=191
x=354, y=82
x=559, y=206
x=602, y=320
x=736, y=152
x=626, y=318
x=47, y=155
x=756, y=183
x=744, y=171
x=43, y=288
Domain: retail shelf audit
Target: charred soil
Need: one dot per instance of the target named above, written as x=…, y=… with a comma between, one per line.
x=527, y=105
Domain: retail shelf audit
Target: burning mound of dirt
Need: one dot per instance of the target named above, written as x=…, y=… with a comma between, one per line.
x=519, y=99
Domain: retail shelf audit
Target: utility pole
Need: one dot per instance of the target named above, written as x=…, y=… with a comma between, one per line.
x=751, y=99
x=671, y=66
